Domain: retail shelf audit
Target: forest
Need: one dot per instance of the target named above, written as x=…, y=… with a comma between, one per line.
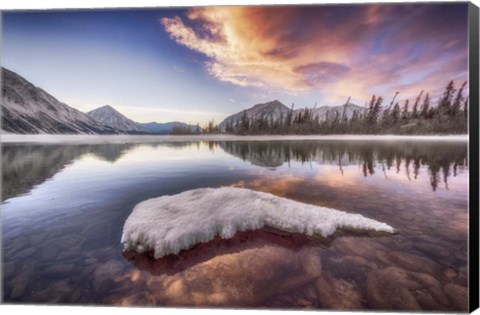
x=448, y=116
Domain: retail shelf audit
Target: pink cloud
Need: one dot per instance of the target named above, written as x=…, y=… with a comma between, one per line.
x=335, y=51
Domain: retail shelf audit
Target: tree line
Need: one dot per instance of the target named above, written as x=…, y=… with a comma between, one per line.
x=448, y=116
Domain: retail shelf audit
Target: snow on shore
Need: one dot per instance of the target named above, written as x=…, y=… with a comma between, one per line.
x=92, y=139
x=169, y=224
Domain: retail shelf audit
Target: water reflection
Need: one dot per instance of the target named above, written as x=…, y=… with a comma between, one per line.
x=62, y=230
x=443, y=159
x=202, y=252
x=25, y=166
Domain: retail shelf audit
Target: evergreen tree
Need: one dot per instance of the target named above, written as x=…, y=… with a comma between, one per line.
x=386, y=118
x=425, y=107
x=415, y=106
x=378, y=105
x=405, y=111
x=371, y=119
x=290, y=116
x=245, y=123
x=396, y=113
x=457, y=104
x=445, y=105
x=465, y=107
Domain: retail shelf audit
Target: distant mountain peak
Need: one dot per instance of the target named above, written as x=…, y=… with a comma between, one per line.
x=273, y=110
x=109, y=116
x=267, y=104
x=107, y=107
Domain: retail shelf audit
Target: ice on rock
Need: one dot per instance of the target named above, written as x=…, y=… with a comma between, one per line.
x=169, y=224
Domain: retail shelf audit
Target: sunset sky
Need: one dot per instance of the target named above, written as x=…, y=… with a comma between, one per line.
x=209, y=62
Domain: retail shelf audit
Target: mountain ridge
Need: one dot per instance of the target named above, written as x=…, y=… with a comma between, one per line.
x=111, y=117
x=275, y=111
x=27, y=109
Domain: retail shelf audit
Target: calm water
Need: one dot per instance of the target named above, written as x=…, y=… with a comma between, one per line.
x=64, y=207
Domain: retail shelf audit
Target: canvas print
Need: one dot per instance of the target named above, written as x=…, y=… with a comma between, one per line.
x=268, y=157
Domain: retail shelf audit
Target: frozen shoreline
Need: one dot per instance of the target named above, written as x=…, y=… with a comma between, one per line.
x=83, y=139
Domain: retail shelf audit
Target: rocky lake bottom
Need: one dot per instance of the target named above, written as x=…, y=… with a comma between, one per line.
x=64, y=207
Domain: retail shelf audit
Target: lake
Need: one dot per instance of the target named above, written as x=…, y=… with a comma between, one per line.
x=64, y=206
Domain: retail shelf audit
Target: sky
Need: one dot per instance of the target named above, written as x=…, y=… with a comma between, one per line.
x=204, y=63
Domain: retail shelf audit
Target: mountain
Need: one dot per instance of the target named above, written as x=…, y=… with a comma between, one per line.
x=275, y=110
x=330, y=111
x=271, y=110
x=166, y=128
x=27, y=109
x=109, y=116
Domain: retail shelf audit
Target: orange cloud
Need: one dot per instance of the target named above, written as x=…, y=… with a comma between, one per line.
x=335, y=51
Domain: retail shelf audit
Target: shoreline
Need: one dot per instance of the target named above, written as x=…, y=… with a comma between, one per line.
x=79, y=139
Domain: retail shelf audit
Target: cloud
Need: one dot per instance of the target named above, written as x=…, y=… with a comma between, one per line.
x=321, y=72
x=335, y=51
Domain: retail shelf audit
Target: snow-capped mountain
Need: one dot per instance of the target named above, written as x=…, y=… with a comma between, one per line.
x=271, y=110
x=331, y=111
x=275, y=110
x=109, y=116
x=27, y=109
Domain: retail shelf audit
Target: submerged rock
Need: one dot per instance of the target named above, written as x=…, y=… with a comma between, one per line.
x=303, y=302
x=140, y=298
x=449, y=273
x=458, y=295
x=8, y=270
x=338, y=294
x=388, y=289
x=30, y=251
x=409, y=262
x=246, y=277
x=105, y=273
x=49, y=252
x=59, y=269
x=67, y=255
x=393, y=288
x=21, y=282
x=353, y=246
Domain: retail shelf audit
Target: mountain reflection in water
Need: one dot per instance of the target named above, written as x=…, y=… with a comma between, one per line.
x=25, y=166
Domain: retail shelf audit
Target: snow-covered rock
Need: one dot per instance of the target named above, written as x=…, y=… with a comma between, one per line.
x=169, y=224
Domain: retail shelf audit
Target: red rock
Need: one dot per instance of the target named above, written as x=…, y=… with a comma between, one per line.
x=388, y=289
x=105, y=273
x=336, y=293
x=458, y=295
